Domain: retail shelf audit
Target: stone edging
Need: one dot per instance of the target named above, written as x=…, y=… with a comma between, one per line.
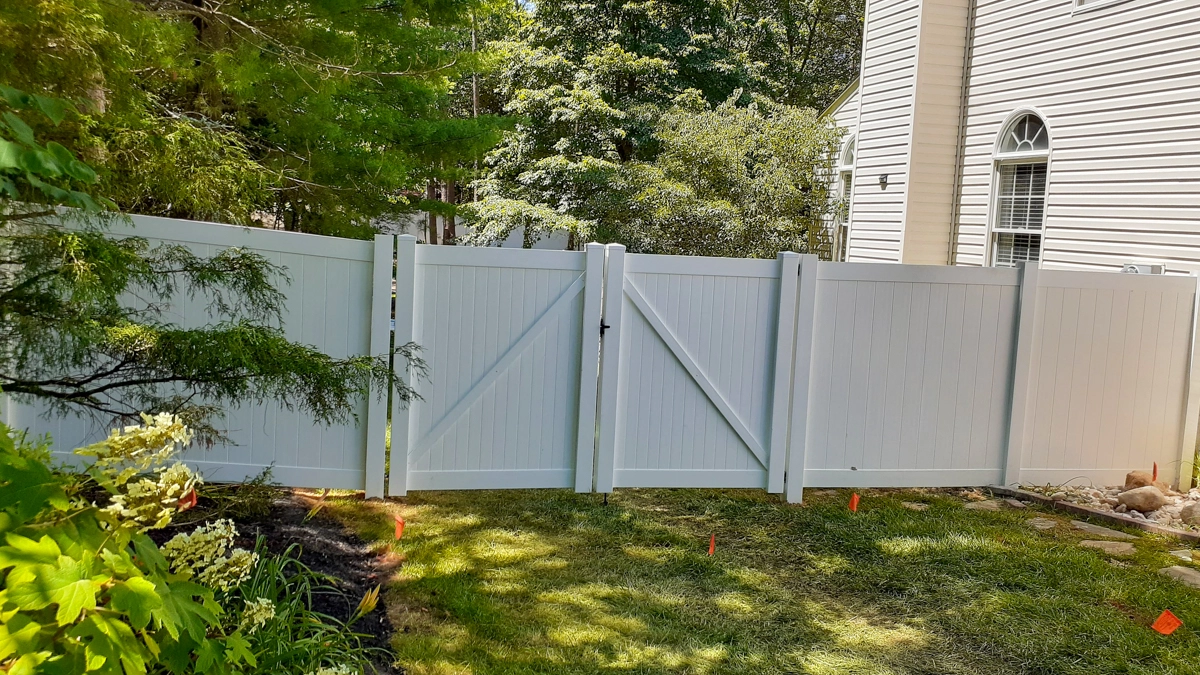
x=1111, y=518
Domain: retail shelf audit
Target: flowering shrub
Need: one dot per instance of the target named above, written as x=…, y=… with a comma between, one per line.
x=85, y=589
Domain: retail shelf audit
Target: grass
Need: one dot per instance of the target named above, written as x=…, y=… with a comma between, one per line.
x=554, y=582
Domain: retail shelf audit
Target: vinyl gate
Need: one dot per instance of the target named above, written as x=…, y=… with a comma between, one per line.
x=600, y=369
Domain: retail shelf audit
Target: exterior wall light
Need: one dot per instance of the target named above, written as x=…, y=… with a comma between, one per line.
x=883, y=181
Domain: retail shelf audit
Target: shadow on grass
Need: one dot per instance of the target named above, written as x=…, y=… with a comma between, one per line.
x=554, y=582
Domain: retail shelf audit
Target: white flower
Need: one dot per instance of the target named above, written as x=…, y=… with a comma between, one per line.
x=152, y=501
x=256, y=615
x=202, y=554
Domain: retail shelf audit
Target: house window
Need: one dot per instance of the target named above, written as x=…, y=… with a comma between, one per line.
x=841, y=233
x=1019, y=214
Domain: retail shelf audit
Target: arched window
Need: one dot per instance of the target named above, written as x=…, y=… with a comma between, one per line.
x=1019, y=217
x=845, y=190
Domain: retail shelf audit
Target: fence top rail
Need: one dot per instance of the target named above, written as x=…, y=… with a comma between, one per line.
x=918, y=274
x=1112, y=281
x=645, y=263
x=259, y=238
x=479, y=256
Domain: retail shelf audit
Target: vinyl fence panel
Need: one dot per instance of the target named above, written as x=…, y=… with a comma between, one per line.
x=910, y=375
x=1108, y=376
x=695, y=381
x=501, y=331
x=328, y=305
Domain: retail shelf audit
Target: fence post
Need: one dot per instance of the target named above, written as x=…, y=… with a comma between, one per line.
x=785, y=351
x=406, y=275
x=1191, y=410
x=589, y=366
x=381, y=334
x=1022, y=372
x=806, y=319
x=610, y=348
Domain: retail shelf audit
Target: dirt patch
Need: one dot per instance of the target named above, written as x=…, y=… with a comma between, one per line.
x=327, y=548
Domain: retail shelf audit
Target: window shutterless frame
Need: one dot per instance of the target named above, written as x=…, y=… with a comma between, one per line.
x=1024, y=140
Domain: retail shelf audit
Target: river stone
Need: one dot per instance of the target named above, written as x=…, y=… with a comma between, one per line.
x=1042, y=523
x=1144, y=499
x=1137, y=479
x=1101, y=531
x=1110, y=547
x=1185, y=575
x=1183, y=554
x=985, y=505
x=914, y=506
x=1190, y=514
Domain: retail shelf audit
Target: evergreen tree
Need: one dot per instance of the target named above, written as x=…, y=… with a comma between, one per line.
x=312, y=115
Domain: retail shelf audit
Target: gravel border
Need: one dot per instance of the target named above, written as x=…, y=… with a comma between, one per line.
x=1106, y=516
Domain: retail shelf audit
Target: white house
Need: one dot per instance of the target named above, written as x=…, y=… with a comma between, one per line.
x=987, y=132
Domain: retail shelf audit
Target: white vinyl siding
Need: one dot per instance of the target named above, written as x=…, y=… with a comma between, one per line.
x=884, y=129
x=1119, y=88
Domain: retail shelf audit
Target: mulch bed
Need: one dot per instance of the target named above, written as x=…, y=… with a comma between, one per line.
x=327, y=548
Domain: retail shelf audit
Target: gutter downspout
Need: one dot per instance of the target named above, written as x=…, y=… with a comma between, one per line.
x=960, y=153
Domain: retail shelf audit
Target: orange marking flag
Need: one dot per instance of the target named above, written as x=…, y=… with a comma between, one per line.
x=712, y=544
x=1166, y=623
x=854, y=503
x=399, y=526
x=1155, y=476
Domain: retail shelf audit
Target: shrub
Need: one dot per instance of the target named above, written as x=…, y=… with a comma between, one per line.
x=85, y=589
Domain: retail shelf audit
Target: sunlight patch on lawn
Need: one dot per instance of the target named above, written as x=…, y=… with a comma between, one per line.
x=954, y=542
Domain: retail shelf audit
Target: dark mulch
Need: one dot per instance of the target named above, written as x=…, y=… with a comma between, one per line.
x=327, y=548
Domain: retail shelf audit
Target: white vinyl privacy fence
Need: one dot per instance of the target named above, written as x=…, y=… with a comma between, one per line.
x=600, y=369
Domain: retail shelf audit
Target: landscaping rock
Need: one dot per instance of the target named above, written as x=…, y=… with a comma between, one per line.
x=1101, y=531
x=1042, y=523
x=1185, y=575
x=1015, y=503
x=1110, y=547
x=1183, y=554
x=1143, y=499
x=914, y=506
x=985, y=505
x=1058, y=496
x=1190, y=514
x=1137, y=479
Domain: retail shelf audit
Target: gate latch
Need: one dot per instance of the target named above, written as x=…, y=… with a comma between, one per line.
x=604, y=327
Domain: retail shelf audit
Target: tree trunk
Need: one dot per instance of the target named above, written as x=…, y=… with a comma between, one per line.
x=431, y=195
x=449, y=195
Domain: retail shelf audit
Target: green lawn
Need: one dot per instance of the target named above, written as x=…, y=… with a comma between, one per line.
x=554, y=582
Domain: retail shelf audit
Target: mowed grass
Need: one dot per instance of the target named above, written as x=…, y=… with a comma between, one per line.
x=554, y=582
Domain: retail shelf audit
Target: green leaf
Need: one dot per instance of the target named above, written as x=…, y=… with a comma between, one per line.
x=18, y=635
x=47, y=189
x=72, y=590
x=180, y=612
x=209, y=655
x=9, y=188
x=40, y=163
x=25, y=551
x=29, y=487
x=137, y=597
x=10, y=155
x=237, y=650
x=54, y=108
x=20, y=129
x=14, y=97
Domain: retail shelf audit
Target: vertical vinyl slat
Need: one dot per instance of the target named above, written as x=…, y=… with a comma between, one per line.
x=806, y=311
x=1191, y=416
x=614, y=298
x=1027, y=335
x=406, y=275
x=589, y=368
x=785, y=331
x=381, y=328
